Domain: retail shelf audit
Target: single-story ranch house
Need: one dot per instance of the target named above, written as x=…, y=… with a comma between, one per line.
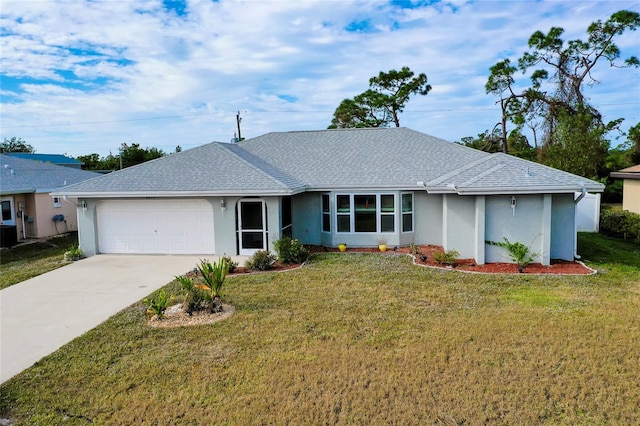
x=353, y=186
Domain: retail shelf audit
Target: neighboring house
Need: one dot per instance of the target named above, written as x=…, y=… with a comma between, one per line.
x=25, y=188
x=57, y=159
x=328, y=187
x=630, y=188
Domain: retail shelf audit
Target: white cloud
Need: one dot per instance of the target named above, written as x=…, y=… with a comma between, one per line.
x=120, y=65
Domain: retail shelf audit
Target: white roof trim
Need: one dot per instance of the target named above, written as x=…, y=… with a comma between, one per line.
x=173, y=194
x=510, y=190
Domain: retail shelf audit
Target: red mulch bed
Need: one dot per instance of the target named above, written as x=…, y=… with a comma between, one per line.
x=560, y=267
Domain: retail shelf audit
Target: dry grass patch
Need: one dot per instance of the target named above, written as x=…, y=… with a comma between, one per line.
x=358, y=339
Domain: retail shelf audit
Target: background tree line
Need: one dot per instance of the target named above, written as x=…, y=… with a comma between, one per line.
x=127, y=156
x=568, y=132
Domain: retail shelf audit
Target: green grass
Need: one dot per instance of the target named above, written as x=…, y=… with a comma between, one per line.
x=609, y=254
x=21, y=263
x=361, y=339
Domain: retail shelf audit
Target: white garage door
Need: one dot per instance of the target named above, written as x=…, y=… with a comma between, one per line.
x=155, y=227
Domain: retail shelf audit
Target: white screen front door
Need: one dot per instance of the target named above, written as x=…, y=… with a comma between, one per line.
x=252, y=229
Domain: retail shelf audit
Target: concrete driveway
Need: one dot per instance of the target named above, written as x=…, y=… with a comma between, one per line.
x=40, y=315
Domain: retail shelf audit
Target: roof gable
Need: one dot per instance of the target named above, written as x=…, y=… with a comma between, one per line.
x=505, y=174
x=208, y=169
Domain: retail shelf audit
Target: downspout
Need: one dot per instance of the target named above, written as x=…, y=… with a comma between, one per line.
x=575, y=225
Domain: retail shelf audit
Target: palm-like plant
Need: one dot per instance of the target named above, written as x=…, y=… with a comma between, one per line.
x=213, y=276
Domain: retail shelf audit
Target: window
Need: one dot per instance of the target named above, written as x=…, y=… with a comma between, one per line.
x=56, y=201
x=326, y=213
x=407, y=212
x=6, y=210
x=365, y=213
x=343, y=213
x=387, y=213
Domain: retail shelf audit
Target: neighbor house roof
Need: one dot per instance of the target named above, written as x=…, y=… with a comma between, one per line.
x=60, y=160
x=632, y=172
x=292, y=162
x=19, y=176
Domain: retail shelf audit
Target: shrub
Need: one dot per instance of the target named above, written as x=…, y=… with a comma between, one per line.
x=213, y=276
x=414, y=249
x=230, y=263
x=262, y=260
x=74, y=252
x=194, y=297
x=446, y=258
x=620, y=224
x=519, y=253
x=158, y=305
x=290, y=250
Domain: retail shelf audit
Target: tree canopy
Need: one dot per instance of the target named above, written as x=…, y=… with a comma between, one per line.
x=381, y=104
x=573, y=131
x=129, y=155
x=16, y=145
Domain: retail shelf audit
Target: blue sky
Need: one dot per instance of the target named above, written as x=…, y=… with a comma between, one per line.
x=80, y=77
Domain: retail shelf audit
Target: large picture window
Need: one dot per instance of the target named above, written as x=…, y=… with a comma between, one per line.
x=407, y=212
x=365, y=213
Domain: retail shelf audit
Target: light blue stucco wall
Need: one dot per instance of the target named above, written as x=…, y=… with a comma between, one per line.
x=87, y=230
x=526, y=224
x=427, y=218
x=306, y=220
x=563, y=216
x=458, y=224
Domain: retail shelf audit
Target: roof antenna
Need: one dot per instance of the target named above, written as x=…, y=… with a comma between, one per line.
x=238, y=120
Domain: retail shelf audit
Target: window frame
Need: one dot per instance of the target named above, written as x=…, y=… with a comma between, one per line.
x=348, y=213
x=407, y=213
x=56, y=202
x=378, y=213
x=391, y=214
x=326, y=214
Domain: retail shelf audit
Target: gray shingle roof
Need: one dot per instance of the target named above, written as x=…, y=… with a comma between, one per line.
x=18, y=175
x=361, y=158
x=289, y=162
x=208, y=169
x=501, y=173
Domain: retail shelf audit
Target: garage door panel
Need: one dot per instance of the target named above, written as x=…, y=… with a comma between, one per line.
x=156, y=226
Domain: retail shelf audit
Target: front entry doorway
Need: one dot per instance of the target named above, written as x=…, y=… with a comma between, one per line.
x=252, y=226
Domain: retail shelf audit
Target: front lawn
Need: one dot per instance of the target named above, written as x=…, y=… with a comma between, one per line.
x=361, y=339
x=27, y=261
